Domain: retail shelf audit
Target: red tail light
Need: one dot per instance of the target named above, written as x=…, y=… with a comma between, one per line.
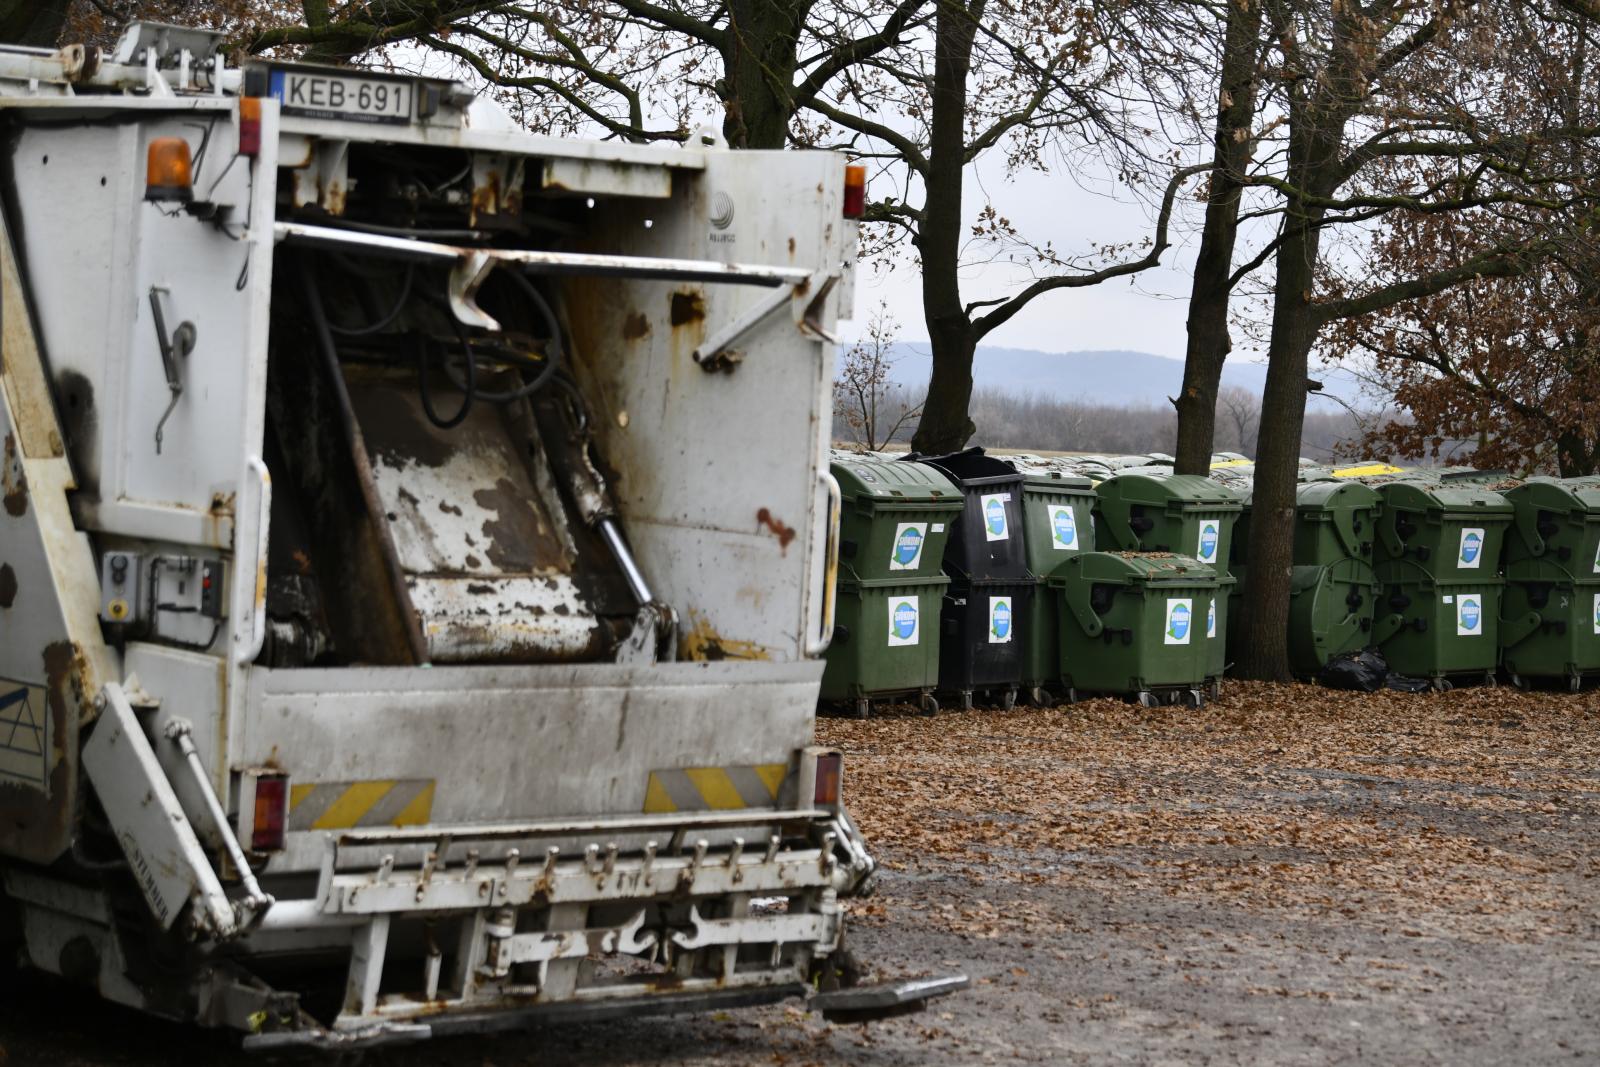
x=855, y=191
x=272, y=809
x=249, y=126
x=830, y=773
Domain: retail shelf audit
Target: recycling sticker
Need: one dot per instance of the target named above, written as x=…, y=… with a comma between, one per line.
x=1063, y=528
x=1180, y=612
x=1471, y=554
x=1597, y=613
x=999, y=620
x=905, y=621
x=908, y=541
x=1597, y=559
x=1469, y=615
x=1206, y=544
x=1211, y=619
x=993, y=507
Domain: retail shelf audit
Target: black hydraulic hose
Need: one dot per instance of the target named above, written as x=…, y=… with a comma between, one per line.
x=386, y=320
x=552, y=360
x=468, y=389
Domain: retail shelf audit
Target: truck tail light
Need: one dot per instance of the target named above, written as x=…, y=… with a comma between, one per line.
x=855, y=191
x=168, y=171
x=250, y=126
x=830, y=772
x=272, y=809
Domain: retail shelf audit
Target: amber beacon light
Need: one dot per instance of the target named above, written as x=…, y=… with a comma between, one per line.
x=169, y=173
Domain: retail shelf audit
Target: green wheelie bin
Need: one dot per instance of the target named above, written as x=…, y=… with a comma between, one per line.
x=1133, y=624
x=1453, y=532
x=885, y=642
x=1551, y=628
x=1444, y=630
x=1330, y=612
x=895, y=518
x=1556, y=520
x=1058, y=522
x=1184, y=514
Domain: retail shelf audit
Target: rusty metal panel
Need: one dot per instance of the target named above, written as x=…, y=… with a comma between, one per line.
x=717, y=470
x=596, y=177
x=479, y=531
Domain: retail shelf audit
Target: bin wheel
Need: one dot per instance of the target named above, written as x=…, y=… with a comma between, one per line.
x=1574, y=682
x=966, y=700
x=1194, y=698
x=1490, y=680
x=863, y=707
x=1072, y=695
x=1008, y=700
x=930, y=704
x=1443, y=685
x=1519, y=682
x=1216, y=689
x=1148, y=699
x=1039, y=697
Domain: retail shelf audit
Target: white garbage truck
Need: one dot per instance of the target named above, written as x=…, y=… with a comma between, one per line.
x=417, y=548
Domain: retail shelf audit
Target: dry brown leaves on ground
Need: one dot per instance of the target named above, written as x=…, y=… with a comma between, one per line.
x=1474, y=805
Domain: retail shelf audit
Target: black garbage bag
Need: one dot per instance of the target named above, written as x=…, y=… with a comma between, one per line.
x=1406, y=684
x=1365, y=671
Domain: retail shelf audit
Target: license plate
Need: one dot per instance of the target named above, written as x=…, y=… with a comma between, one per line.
x=336, y=96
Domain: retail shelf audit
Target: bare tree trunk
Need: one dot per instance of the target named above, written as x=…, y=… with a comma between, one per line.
x=946, y=425
x=1264, y=652
x=759, y=61
x=36, y=23
x=1209, y=342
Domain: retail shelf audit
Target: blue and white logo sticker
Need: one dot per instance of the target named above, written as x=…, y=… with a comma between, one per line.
x=1471, y=554
x=908, y=540
x=1206, y=544
x=1597, y=613
x=1469, y=615
x=905, y=621
x=993, y=507
x=999, y=620
x=1211, y=618
x=1063, y=528
x=1597, y=559
x=1180, y=611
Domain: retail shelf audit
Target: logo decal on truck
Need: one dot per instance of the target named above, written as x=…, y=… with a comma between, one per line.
x=999, y=620
x=1063, y=527
x=1206, y=548
x=1469, y=615
x=1179, y=612
x=994, y=516
x=908, y=538
x=903, y=621
x=1471, y=548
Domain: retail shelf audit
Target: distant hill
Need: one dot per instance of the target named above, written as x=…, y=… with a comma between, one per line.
x=1133, y=379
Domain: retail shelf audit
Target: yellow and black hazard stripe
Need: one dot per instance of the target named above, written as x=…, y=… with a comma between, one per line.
x=715, y=788
x=342, y=805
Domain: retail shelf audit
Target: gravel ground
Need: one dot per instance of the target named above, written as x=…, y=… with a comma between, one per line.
x=1289, y=876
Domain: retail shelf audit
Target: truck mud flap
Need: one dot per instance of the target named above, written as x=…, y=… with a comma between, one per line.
x=884, y=1000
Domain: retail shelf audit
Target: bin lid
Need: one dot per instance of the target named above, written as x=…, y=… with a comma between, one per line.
x=1436, y=496
x=1133, y=568
x=898, y=482
x=972, y=466
x=1058, y=482
x=1557, y=494
x=850, y=584
x=1190, y=490
x=1335, y=496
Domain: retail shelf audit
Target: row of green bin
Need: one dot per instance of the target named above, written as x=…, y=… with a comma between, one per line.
x=1022, y=602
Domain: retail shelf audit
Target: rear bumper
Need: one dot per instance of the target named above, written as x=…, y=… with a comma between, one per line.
x=477, y=927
